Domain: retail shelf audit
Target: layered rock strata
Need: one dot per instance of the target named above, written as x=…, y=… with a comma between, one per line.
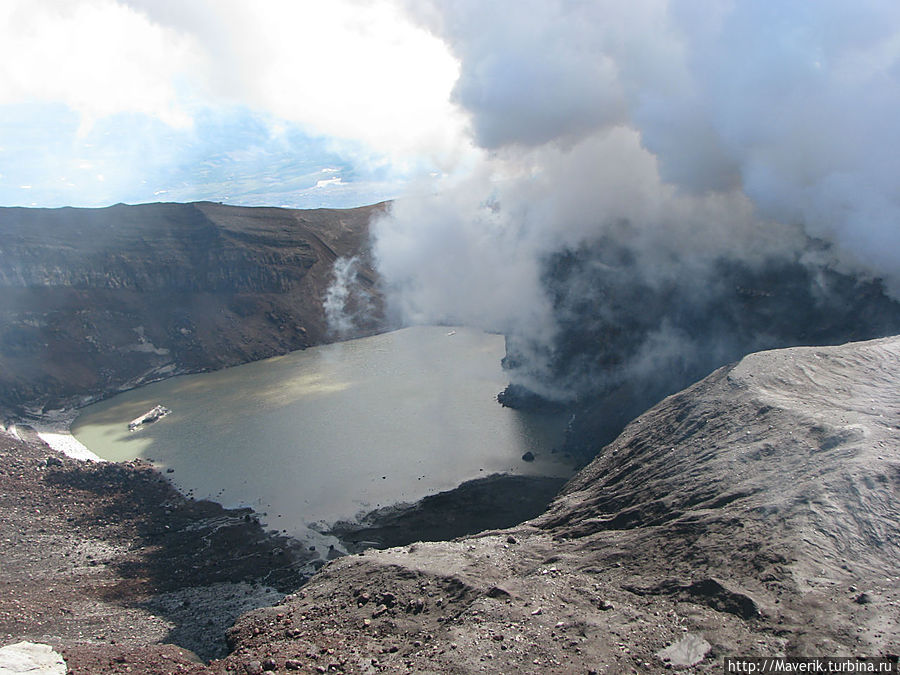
x=94, y=300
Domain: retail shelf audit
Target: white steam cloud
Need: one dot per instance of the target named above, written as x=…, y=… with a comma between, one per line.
x=715, y=129
x=348, y=304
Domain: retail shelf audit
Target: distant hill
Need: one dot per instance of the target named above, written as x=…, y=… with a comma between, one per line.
x=92, y=300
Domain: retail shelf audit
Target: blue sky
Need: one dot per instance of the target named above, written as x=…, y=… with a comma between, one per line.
x=277, y=103
x=229, y=154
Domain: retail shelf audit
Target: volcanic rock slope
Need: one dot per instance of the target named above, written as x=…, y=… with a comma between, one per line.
x=755, y=513
x=625, y=339
x=92, y=300
x=99, y=557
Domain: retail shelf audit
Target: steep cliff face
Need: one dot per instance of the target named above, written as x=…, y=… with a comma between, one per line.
x=626, y=338
x=96, y=299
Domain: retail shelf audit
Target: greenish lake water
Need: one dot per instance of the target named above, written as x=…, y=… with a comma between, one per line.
x=332, y=431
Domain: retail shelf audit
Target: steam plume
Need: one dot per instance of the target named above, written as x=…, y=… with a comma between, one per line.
x=684, y=133
x=347, y=303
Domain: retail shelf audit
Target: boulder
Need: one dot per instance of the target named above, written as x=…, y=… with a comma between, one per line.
x=31, y=658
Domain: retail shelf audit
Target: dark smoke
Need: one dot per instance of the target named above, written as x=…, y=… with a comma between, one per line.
x=663, y=187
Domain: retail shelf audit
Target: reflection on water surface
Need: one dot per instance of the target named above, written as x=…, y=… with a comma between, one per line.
x=328, y=432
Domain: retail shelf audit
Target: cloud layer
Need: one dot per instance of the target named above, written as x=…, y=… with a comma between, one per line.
x=688, y=133
x=716, y=128
x=138, y=90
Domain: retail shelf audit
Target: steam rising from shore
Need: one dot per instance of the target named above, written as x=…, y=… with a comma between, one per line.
x=689, y=133
x=347, y=304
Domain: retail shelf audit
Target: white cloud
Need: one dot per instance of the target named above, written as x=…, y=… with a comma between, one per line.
x=351, y=69
x=708, y=119
x=328, y=182
x=94, y=56
x=355, y=70
x=154, y=87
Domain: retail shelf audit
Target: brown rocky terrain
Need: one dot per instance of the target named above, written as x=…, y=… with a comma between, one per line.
x=754, y=513
x=96, y=555
x=94, y=300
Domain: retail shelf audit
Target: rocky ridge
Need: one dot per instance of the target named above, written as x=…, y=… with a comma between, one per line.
x=96, y=300
x=754, y=513
x=629, y=334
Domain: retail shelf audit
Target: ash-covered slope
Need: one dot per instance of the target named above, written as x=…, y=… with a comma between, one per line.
x=628, y=335
x=95, y=299
x=755, y=513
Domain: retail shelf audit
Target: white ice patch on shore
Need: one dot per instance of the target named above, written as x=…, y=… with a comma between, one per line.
x=67, y=444
x=54, y=431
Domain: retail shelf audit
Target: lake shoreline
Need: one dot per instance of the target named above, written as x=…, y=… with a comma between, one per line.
x=403, y=517
x=113, y=555
x=334, y=432
x=193, y=566
x=492, y=502
x=148, y=540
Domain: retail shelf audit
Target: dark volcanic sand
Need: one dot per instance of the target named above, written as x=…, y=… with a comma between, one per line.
x=108, y=562
x=107, y=554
